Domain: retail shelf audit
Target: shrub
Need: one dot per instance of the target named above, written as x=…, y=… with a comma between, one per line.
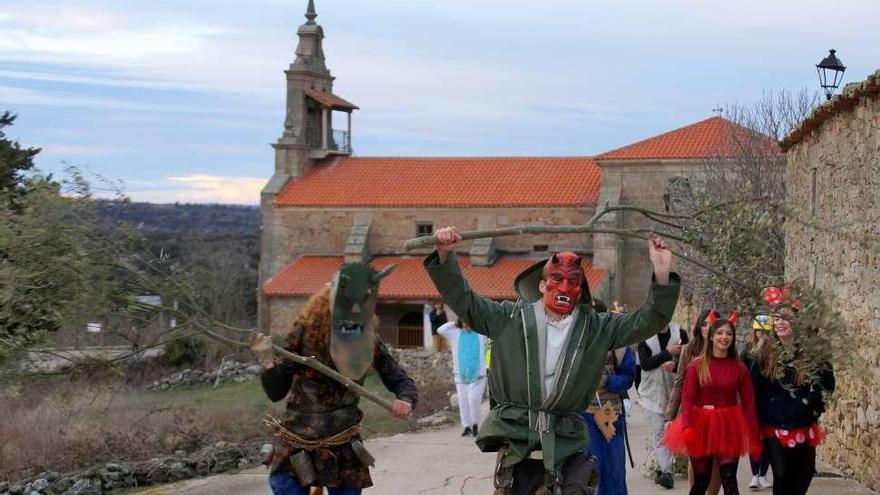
x=185, y=350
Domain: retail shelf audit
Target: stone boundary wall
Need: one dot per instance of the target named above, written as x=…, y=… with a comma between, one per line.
x=833, y=176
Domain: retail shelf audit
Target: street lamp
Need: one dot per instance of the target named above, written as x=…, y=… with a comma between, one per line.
x=830, y=73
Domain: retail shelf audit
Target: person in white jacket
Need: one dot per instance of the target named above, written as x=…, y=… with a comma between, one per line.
x=469, y=367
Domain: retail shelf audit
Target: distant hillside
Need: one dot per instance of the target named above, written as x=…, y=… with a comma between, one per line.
x=206, y=221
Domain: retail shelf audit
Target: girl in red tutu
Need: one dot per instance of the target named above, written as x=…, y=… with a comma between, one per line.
x=718, y=421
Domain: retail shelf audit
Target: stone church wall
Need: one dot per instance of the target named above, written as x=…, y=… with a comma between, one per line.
x=640, y=183
x=323, y=231
x=833, y=175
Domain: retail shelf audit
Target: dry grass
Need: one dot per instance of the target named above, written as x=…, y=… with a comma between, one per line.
x=68, y=424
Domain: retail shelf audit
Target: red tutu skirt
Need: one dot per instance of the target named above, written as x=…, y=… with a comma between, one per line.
x=720, y=432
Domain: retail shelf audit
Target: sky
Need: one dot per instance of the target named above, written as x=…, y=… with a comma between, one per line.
x=179, y=100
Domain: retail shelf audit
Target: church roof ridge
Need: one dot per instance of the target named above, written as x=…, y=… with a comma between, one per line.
x=347, y=181
x=473, y=157
x=707, y=138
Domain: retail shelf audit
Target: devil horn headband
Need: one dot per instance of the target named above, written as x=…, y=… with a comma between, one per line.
x=713, y=316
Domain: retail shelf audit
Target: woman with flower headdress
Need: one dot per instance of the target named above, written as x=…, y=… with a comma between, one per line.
x=790, y=398
x=718, y=423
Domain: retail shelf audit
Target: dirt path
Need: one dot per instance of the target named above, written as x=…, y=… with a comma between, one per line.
x=440, y=462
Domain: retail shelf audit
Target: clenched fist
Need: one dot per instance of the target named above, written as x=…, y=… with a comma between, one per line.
x=261, y=346
x=448, y=240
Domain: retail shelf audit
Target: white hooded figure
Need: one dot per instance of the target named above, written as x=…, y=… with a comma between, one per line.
x=469, y=366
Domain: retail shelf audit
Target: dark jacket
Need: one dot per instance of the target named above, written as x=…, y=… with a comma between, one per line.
x=782, y=404
x=319, y=407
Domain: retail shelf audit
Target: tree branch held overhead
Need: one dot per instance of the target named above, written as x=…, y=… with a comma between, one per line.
x=589, y=228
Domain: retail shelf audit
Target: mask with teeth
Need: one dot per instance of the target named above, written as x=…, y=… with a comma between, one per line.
x=354, y=292
x=562, y=283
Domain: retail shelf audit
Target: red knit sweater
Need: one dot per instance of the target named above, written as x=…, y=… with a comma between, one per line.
x=728, y=376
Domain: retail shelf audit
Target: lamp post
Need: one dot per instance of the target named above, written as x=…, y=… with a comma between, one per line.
x=830, y=73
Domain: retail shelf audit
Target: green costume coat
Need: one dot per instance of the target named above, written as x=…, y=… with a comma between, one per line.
x=523, y=420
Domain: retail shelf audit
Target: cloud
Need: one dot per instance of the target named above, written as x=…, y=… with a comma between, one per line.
x=11, y=95
x=151, y=48
x=227, y=148
x=199, y=188
x=102, y=80
x=71, y=149
x=89, y=33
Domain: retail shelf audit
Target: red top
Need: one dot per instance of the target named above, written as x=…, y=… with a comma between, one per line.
x=728, y=376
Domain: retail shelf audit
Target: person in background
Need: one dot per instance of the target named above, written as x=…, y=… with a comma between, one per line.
x=469, y=367
x=606, y=420
x=658, y=357
x=762, y=326
x=438, y=318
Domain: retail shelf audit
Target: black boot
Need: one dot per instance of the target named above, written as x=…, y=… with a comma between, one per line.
x=466, y=432
x=475, y=430
x=666, y=480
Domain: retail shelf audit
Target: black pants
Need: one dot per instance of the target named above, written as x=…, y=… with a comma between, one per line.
x=580, y=476
x=760, y=468
x=793, y=467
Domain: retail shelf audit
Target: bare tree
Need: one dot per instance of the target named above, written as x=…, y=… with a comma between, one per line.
x=748, y=170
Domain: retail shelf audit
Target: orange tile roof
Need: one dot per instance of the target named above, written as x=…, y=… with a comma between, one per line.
x=330, y=100
x=308, y=274
x=710, y=138
x=455, y=182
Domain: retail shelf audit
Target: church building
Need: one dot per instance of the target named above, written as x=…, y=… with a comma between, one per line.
x=325, y=205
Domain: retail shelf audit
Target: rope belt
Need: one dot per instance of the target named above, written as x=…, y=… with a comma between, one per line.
x=293, y=440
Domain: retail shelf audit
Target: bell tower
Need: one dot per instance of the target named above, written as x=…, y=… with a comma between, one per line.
x=307, y=137
x=308, y=133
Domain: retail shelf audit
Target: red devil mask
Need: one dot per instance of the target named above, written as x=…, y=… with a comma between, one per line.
x=563, y=282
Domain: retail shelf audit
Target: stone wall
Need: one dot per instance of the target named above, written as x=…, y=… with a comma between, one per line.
x=833, y=176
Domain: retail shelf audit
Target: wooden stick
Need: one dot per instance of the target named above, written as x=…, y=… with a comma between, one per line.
x=307, y=361
x=426, y=241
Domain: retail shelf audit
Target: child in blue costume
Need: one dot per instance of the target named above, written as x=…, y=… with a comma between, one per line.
x=620, y=372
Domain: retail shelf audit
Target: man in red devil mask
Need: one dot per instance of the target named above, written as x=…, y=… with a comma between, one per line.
x=548, y=354
x=563, y=276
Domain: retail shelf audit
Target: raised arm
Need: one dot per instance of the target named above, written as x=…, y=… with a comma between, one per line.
x=657, y=309
x=483, y=315
x=654, y=314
